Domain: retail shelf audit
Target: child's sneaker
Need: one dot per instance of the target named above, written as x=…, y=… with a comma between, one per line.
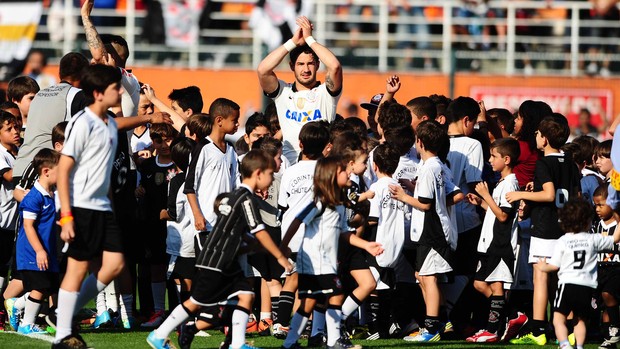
x=30, y=329
x=130, y=323
x=186, y=336
x=483, y=336
x=12, y=312
x=155, y=320
x=252, y=326
x=72, y=341
x=340, y=344
x=514, y=326
x=264, y=327
x=157, y=343
x=424, y=336
x=103, y=321
x=611, y=339
x=530, y=339
x=245, y=346
x=280, y=331
x=317, y=341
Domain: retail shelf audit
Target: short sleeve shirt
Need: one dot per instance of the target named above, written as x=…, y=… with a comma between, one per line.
x=296, y=108
x=390, y=215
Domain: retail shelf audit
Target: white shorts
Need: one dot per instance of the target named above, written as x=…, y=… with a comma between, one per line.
x=541, y=248
x=433, y=264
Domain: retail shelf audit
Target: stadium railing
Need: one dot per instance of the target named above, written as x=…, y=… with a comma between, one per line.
x=550, y=35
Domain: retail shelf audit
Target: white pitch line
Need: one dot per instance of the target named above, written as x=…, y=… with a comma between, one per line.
x=43, y=337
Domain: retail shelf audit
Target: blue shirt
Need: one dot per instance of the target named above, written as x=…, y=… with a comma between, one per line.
x=39, y=205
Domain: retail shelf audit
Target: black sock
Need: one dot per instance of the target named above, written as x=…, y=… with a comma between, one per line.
x=538, y=327
x=496, y=313
x=614, y=316
x=432, y=324
x=285, y=307
x=274, y=309
x=373, y=313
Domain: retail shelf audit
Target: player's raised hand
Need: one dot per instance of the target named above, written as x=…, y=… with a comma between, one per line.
x=87, y=8
x=298, y=37
x=305, y=25
x=392, y=85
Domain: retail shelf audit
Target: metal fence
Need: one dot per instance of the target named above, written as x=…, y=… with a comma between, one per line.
x=498, y=37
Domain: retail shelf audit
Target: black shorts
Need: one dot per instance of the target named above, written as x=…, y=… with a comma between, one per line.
x=15, y=274
x=7, y=243
x=575, y=298
x=495, y=269
x=430, y=261
x=155, y=244
x=609, y=280
x=44, y=281
x=184, y=268
x=464, y=259
x=351, y=258
x=211, y=287
x=315, y=286
x=267, y=265
x=95, y=232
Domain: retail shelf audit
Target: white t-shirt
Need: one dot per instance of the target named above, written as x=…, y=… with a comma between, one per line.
x=318, y=253
x=141, y=142
x=466, y=162
x=492, y=229
x=296, y=108
x=390, y=214
x=8, y=205
x=575, y=255
x=215, y=172
x=434, y=223
x=296, y=192
x=92, y=144
x=180, y=232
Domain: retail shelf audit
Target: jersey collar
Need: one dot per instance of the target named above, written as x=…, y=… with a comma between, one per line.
x=41, y=190
x=294, y=87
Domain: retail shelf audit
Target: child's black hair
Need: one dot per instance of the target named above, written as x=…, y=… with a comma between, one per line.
x=433, y=137
x=159, y=131
x=393, y=114
x=586, y=145
x=255, y=120
x=256, y=159
x=348, y=145
x=386, y=158
x=21, y=86
x=45, y=158
x=575, y=216
x=180, y=149
x=508, y=147
x=223, y=107
x=58, y=132
x=461, y=107
x=98, y=77
x=555, y=129
x=402, y=138
x=188, y=98
x=313, y=137
x=603, y=149
x=503, y=117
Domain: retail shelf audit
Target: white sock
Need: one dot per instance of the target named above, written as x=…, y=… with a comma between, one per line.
x=111, y=300
x=264, y=315
x=90, y=287
x=298, y=323
x=240, y=319
x=318, y=322
x=178, y=316
x=32, y=309
x=100, y=303
x=159, y=295
x=126, y=306
x=64, y=313
x=333, y=319
x=349, y=306
x=20, y=302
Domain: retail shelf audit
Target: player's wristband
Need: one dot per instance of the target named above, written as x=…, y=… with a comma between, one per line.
x=66, y=214
x=310, y=40
x=65, y=220
x=289, y=45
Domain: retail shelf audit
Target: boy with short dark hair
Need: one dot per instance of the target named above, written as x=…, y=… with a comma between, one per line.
x=498, y=239
x=156, y=172
x=36, y=240
x=86, y=218
x=556, y=180
x=574, y=258
x=21, y=91
x=219, y=275
x=431, y=227
x=256, y=126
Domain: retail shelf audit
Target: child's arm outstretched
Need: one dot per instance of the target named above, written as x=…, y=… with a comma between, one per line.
x=546, y=267
x=33, y=240
x=545, y=195
x=372, y=247
x=265, y=240
x=399, y=194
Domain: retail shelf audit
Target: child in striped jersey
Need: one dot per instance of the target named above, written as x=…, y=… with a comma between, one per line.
x=317, y=259
x=608, y=268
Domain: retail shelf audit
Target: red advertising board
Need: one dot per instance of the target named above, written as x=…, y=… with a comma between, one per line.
x=567, y=101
